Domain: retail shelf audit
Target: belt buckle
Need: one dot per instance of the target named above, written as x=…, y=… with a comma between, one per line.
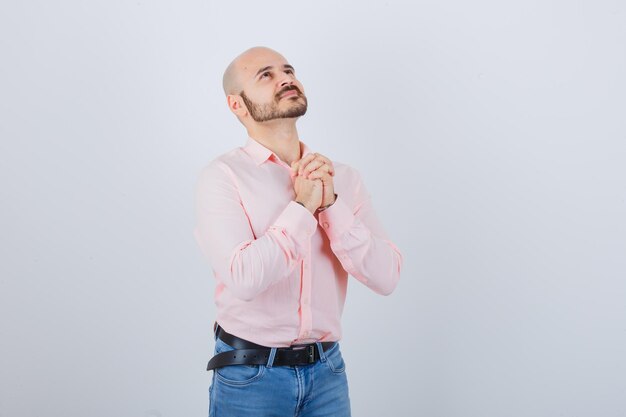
x=311, y=352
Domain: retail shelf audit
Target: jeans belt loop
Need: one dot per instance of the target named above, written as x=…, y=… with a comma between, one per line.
x=311, y=349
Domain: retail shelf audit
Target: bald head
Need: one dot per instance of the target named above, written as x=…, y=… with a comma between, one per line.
x=232, y=81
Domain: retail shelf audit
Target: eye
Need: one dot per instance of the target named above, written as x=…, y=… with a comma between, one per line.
x=263, y=75
x=289, y=71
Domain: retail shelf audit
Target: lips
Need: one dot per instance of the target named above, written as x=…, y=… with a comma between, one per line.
x=289, y=93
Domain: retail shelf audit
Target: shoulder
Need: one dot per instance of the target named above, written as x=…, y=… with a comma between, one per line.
x=347, y=172
x=222, y=168
x=226, y=163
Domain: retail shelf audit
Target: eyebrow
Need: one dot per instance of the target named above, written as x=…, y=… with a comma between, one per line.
x=270, y=67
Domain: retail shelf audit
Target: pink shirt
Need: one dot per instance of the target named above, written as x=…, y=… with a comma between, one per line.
x=281, y=272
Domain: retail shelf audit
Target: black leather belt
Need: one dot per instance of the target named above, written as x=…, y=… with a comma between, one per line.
x=248, y=353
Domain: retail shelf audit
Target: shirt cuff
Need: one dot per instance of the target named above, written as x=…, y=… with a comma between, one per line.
x=336, y=219
x=297, y=221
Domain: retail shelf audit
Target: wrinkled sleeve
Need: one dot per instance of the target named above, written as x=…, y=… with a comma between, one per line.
x=246, y=265
x=359, y=241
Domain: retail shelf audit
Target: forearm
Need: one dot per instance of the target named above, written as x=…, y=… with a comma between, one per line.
x=369, y=257
x=253, y=265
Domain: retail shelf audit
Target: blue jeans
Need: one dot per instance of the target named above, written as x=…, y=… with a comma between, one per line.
x=313, y=390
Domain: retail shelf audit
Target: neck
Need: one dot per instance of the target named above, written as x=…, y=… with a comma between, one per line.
x=280, y=136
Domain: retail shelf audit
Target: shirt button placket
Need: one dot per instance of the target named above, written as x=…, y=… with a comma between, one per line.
x=306, y=324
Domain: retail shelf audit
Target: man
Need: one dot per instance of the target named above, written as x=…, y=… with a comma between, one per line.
x=282, y=227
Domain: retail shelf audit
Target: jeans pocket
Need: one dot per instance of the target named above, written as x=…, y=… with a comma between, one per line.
x=236, y=375
x=334, y=359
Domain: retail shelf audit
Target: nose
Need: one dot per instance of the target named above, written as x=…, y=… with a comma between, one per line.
x=287, y=79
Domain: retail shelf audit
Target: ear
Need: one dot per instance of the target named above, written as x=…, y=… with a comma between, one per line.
x=236, y=105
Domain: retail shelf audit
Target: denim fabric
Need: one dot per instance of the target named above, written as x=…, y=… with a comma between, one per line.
x=315, y=390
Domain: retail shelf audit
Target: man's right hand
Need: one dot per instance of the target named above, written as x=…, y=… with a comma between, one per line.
x=309, y=192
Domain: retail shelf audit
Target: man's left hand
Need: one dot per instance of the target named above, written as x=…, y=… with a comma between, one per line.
x=315, y=165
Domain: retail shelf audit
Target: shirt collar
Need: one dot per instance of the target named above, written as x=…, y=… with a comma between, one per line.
x=260, y=153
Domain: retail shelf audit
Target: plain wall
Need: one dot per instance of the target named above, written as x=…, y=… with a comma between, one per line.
x=491, y=136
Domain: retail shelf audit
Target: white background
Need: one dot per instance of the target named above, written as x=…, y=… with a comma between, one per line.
x=490, y=134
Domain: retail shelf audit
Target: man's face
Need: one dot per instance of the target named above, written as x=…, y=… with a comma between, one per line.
x=271, y=90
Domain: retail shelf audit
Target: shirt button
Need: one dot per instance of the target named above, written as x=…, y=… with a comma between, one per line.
x=325, y=224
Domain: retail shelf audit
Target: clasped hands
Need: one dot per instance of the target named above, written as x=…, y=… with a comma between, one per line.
x=314, y=181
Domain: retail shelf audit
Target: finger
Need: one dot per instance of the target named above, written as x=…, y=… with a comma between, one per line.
x=324, y=169
x=320, y=174
x=304, y=161
x=318, y=160
x=323, y=158
x=304, y=166
x=312, y=166
x=294, y=167
x=327, y=162
x=327, y=169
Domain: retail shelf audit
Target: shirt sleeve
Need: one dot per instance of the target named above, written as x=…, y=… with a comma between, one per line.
x=246, y=265
x=360, y=243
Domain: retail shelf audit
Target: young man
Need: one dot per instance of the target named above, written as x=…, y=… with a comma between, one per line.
x=282, y=227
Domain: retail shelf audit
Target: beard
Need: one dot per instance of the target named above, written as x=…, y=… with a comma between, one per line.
x=271, y=111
